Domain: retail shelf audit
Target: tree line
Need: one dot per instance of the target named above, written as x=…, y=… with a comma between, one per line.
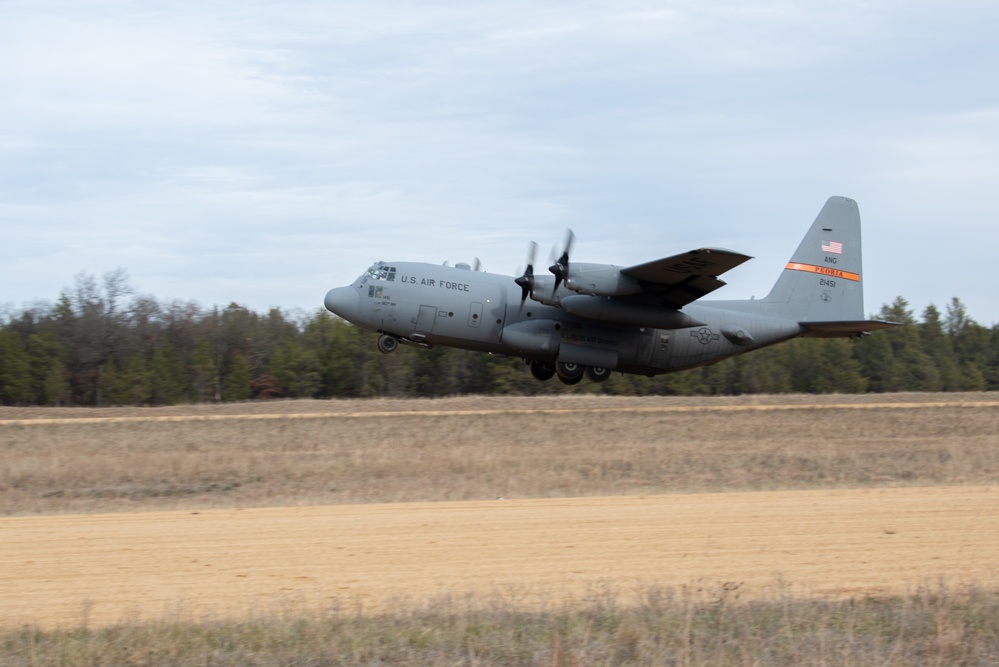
x=102, y=344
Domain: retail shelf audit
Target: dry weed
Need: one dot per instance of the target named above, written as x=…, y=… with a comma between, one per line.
x=487, y=448
x=934, y=626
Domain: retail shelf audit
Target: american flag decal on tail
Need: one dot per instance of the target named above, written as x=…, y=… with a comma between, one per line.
x=834, y=247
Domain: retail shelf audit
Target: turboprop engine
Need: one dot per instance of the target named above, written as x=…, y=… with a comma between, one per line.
x=588, y=279
x=592, y=279
x=600, y=280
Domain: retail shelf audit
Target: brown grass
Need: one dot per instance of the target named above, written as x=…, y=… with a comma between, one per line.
x=327, y=452
x=305, y=452
x=689, y=626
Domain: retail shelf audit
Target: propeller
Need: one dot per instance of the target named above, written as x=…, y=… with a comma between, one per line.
x=561, y=266
x=477, y=266
x=526, y=281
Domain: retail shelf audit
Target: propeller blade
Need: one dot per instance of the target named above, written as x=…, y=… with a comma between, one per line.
x=526, y=281
x=561, y=266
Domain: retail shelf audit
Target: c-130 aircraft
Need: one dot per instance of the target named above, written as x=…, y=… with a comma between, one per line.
x=590, y=319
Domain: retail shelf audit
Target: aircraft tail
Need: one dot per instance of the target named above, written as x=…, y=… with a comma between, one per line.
x=821, y=287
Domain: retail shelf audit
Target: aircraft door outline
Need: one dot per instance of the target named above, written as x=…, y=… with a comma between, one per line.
x=661, y=343
x=425, y=320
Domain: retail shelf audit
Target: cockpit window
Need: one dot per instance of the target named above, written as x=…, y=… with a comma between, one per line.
x=381, y=272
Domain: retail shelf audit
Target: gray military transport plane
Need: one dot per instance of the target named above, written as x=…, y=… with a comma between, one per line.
x=593, y=319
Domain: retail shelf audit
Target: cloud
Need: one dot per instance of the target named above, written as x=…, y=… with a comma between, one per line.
x=194, y=144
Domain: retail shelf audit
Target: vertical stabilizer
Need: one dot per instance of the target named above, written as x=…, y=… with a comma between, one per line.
x=822, y=282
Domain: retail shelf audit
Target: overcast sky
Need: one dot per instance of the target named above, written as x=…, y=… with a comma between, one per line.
x=262, y=152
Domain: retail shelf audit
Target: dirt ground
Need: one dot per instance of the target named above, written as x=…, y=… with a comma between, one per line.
x=306, y=408
x=98, y=569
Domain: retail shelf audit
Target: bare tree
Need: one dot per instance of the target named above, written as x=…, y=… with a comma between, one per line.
x=99, y=323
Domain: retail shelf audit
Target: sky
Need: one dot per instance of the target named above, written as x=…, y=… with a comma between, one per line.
x=263, y=152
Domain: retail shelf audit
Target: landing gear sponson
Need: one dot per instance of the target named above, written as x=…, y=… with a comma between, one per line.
x=567, y=373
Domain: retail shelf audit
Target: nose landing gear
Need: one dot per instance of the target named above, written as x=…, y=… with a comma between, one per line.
x=387, y=344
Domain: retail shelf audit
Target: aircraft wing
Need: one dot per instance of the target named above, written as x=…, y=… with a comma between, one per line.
x=681, y=279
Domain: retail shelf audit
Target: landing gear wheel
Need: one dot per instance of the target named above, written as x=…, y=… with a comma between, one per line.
x=541, y=371
x=387, y=344
x=597, y=374
x=569, y=373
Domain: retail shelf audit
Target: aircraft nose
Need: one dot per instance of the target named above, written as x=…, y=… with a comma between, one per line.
x=342, y=301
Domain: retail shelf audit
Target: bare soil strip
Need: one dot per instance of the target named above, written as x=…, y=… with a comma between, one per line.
x=575, y=401
x=98, y=569
x=664, y=409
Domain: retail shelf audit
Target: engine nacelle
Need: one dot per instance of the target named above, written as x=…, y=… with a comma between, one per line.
x=600, y=280
x=544, y=286
x=532, y=337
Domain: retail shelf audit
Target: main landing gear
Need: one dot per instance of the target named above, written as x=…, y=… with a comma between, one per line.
x=568, y=373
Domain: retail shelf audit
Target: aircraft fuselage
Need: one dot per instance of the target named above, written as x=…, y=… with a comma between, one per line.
x=427, y=304
x=593, y=319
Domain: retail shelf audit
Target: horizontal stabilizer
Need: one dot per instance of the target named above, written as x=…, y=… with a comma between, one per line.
x=839, y=329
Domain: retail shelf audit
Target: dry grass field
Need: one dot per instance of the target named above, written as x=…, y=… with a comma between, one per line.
x=337, y=452
x=590, y=530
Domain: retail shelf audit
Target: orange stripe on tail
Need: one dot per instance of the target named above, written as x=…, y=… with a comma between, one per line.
x=823, y=270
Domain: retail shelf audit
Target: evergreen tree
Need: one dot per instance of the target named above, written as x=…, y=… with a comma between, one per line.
x=432, y=373
x=877, y=362
x=912, y=368
x=971, y=343
x=991, y=369
x=296, y=369
x=938, y=345
x=502, y=375
x=48, y=369
x=838, y=371
x=167, y=376
x=765, y=372
x=15, y=370
x=205, y=370
x=340, y=365
x=236, y=382
x=111, y=385
x=55, y=388
x=93, y=346
x=135, y=381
